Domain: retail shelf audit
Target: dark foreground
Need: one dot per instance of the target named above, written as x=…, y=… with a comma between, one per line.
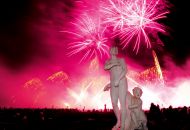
x=73, y=119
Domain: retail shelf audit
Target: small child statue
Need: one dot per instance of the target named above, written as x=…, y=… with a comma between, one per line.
x=135, y=106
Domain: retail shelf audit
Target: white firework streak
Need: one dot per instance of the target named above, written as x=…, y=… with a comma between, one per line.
x=134, y=19
x=90, y=38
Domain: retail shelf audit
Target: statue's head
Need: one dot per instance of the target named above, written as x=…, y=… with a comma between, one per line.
x=137, y=92
x=114, y=51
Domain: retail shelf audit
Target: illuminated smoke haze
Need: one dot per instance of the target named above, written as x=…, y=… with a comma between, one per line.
x=36, y=71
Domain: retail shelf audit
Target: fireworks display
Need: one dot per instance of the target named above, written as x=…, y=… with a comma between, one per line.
x=90, y=38
x=36, y=89
x=135, y=20
x=54, y=57
x=153, y=74
x=87, y=93
x=58, y=77
x=34, y=83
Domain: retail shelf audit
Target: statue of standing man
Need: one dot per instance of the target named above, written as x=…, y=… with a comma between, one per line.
x=119, y=86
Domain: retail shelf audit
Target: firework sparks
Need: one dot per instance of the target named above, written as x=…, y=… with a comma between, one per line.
x=135, y=20
x=91, y=40
x=90, y=94
x=37, y=86
x=82, y=94
x=153, y=75
x=34, y=83
x=158, y=68
x=58, y=77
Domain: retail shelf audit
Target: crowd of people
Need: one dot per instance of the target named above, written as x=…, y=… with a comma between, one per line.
x=75, y=119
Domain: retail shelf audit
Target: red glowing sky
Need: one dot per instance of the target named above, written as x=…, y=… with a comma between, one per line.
x=33, y=48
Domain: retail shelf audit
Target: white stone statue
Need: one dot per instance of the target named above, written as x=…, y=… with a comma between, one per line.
x=119, y=86
x=135, y=117
x=137, y=114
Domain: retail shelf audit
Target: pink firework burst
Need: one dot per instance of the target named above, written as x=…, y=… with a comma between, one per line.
x=89, y=38
x=135, y=20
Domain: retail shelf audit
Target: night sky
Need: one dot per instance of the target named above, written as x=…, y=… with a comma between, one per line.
x=31, y=44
